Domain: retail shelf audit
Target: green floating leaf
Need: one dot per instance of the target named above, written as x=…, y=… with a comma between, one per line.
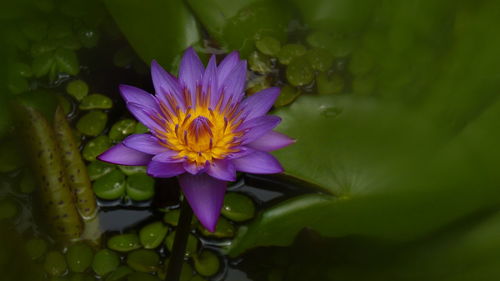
x=95, y=147
x=236, y=24
x=79, y=257
x=124, y=242
x=92, y=123
x=153, y=234
x=143, y=260
x=78, y=89
x=392, y=174
x=67, y=61
x=95, y=101
x=98, y=169
x=140, y=187
x=110, y=187
x=160, y=30
x=121, y=129
x=105, y=261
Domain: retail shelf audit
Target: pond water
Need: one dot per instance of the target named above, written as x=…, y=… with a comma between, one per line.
x=394, y=107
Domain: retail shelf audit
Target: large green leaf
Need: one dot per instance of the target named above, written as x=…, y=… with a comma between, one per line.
x=236, y=24
x=417, y=156
x=158, y=29
x=390, y=173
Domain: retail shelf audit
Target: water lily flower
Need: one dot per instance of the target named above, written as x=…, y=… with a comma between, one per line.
x=201, y=129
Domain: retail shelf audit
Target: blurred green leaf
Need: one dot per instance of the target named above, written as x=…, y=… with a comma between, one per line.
x=158, y=30
x=391, y=174
x=235, y=25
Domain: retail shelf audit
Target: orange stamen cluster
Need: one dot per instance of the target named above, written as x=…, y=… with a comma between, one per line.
x=200, y=133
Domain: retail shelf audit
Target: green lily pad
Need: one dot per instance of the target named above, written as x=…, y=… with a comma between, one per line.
x=375, y=159
x=79, y=257
x=55, y=264
x=206, y=263
x=67, y=61
x=110, y=186
x=95, y=101
x=268, y=46
x=124, y=242
x=299, y=72
x=132, y=170
x=121, y=129
x=92, y=123
x=236, y=24
x=191, y=247
x=140, y=187
x=143, y=260
x=105, y=261
x=119, y=274
x=95, y=147
x=153, y=234
x=238, y=207
x=224, y=229
x=36, y=248
x=291, y=51
x=78, y=89
x=97, y=169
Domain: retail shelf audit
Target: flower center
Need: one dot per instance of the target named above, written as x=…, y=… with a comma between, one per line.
x=201, y=134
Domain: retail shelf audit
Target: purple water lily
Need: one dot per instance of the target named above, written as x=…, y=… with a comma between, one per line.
x=201, y=130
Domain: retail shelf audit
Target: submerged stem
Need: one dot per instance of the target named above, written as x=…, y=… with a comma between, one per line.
x=180, y=241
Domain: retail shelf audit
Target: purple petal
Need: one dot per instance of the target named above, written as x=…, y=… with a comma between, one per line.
x=226, y=66
x=209, y=83
x=233, y=86
x=165, y=84
x=193, y=168
x=190, y=71
x=122, y=155
x=222, y=169
x=168, y=156
x=259, y=103
x=271, y=141
x=257, y=127
x=150, y=118
x=164, y=170
x=258, y=163
x=205, y=195
x=144, y=143
x=135, y=95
